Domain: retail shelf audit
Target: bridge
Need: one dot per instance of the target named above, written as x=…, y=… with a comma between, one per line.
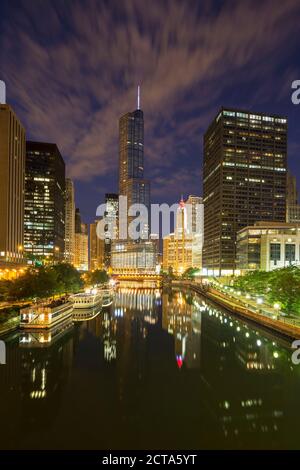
x=139, y=277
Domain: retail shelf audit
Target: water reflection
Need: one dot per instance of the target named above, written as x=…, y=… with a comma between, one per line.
x=161, y=369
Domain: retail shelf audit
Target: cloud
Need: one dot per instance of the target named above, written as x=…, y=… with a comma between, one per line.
x=72, y=68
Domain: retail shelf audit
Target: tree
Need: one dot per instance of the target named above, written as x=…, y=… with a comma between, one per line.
x=67, y=277
x=190, y=273
x=45, y=281
x=97, y=277
x=285, y=289
x=4, y=289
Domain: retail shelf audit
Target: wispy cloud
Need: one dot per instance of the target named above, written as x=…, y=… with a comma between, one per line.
x=72, y=68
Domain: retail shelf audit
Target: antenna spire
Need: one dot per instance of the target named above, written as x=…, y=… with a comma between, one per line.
x=138, y=97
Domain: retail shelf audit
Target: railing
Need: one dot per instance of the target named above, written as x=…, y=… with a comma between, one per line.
x=237, y=305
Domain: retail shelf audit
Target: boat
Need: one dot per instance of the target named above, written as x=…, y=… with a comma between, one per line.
x=88, y=299
x=107, y=297
x=44, y=338
x=86, y=314
x=46, y=315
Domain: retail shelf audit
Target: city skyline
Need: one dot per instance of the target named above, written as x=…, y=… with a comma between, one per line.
x=178, y=108
x=150, y=229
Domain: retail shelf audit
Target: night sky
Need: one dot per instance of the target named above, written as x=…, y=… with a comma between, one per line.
x=72, y=68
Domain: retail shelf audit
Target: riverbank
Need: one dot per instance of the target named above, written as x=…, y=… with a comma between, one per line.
x=9, y=326
x=280, y=325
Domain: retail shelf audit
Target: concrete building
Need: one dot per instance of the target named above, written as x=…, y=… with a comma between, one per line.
x=81, y=261
x=196, y=228
x=111, y=219
x=267, y=246
x=292, y=204
x=12, y=174
x=97, y=249
x=177, y=247
x=244, y=180
x=130, y=257
x=70, y=222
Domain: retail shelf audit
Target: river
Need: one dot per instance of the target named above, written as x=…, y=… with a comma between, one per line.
x=155, y=370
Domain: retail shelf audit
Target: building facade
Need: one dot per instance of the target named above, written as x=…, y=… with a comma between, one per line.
x=292, y=204
x=177, y=246
x=12, y=173
x=81, y=259
x=70, y=222
x=97, y=249
x=111, y=228
x=132, y=183
x=267, y=246
x=132, y=257
x=196, y=228
x=244, y=180
x=44, y=232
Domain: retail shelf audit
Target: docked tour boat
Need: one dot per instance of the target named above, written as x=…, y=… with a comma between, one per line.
x=107, y=297
x=88, y=299
x=86, y=314
x=45, y=315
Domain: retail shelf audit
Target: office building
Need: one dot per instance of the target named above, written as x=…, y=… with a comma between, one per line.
x=44, y=224
x=196, y=228
x=245, y=164
x=97, y=247
x=111, y=227
x=12, y=171
x=70, y=222
x=81, y=259
x=177, y=247
x=267, y=246
x=131, y=163
x=292, y=204
x=132, y=257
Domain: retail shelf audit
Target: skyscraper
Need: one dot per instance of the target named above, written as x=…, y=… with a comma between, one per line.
x=12, y=171
x=44, y=201
x=177, y=246
x=96, y=248
x=81, y=258
x=111, y=228
x=292, y=204
x=70, y=222
x=133, y=256
x=196, y=228
x=245, y=164
x=131, y=161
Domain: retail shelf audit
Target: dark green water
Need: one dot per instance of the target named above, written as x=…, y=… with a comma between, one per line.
x=153, y=371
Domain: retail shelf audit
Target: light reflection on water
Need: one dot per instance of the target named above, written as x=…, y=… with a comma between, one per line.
x=154, y=370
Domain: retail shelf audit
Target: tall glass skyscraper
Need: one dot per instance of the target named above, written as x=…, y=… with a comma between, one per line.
x=131, y=161
x=44, y=225
x=133, y=256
